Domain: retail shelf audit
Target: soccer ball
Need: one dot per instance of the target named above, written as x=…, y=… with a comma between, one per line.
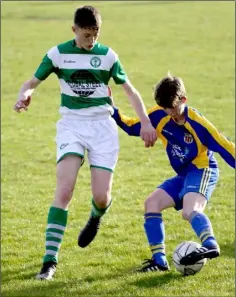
x=182, y=250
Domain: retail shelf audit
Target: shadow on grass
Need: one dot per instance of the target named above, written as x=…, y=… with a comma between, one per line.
x=156, y=279
x=22, y=273
x=59, y=286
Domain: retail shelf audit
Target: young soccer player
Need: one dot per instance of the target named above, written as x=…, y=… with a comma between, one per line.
x=190, y=140
x=84, y=68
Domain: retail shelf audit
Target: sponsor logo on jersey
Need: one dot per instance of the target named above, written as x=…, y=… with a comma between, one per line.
x=95, y=62
x=177, y=153
x=83, y=83
x=69, y=61
x=188, y=138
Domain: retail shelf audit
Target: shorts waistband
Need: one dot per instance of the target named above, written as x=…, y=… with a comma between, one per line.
x=97, y=117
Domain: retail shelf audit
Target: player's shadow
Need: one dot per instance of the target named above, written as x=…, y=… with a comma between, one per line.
x=156, y=279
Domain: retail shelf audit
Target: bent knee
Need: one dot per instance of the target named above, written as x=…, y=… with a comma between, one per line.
x=153, y=204
x=65, y=191
x=102, y=199
x=186, y=214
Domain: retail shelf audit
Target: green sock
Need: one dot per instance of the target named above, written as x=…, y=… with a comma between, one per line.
x=98, y=212
x=56, y=224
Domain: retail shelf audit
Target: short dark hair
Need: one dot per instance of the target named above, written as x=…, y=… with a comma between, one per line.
x=169, y=91
x=87, y=17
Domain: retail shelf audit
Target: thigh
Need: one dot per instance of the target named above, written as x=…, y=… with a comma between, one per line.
x=173, y=187
x=67, y=171
x=158, y=201
x=103, y=149
x=67, y=141
x=202, y=181
x=101, y=184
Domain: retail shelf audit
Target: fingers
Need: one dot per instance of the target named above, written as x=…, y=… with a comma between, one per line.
x=20, y=105
x=149, y=138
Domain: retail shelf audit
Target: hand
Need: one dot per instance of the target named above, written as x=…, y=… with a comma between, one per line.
x=22, y=103
x=148, y=134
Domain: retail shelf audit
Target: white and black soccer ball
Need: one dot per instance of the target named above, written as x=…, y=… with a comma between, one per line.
x=182, y=250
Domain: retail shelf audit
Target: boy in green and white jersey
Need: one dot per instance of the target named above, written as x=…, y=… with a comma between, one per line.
x=84, y=68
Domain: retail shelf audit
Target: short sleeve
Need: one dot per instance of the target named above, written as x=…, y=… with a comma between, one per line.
x=48, y=64
x=118, y=74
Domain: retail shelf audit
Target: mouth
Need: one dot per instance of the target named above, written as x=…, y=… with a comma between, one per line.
x=90, y=46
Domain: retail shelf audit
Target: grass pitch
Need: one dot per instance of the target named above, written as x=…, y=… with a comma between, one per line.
x=194, y=40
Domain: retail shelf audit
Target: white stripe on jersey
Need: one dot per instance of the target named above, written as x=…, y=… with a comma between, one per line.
x=81, y=61
x=99, y=92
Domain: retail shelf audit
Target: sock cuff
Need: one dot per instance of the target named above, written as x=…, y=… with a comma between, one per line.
x=57, y=216
x=192, y=215
x=153, y=215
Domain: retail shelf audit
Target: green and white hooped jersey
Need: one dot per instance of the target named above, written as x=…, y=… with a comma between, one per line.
x=83, y=76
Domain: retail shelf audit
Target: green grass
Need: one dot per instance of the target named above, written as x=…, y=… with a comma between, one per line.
x=194, y=40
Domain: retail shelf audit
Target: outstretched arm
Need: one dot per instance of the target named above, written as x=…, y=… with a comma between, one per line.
x=24, y=96
x=132, y=126
x=212, y=138
x=46, y=67
x=217, y=142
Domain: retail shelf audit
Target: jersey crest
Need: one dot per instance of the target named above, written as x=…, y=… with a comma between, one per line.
x=188, y=138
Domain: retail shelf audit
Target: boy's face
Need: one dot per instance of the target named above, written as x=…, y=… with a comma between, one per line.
x=85, y=38
x=178, y=110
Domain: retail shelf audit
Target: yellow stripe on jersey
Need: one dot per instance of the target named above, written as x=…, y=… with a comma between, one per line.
x=219, y=138
x=127, y=120
x=154, y=108
x=201, y=161
x=159, y=128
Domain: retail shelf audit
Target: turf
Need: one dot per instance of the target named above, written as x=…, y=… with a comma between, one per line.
x=194, y=40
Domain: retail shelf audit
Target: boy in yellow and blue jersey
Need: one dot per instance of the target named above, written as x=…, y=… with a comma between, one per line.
x=190, y=140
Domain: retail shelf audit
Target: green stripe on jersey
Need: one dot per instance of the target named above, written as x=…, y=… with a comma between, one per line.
x=83, y=102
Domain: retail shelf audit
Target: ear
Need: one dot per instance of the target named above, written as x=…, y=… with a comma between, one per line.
x=73, y=28
x=184, y=99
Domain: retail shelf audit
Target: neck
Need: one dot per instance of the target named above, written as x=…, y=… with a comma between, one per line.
x=180, y=119
x=77, y=43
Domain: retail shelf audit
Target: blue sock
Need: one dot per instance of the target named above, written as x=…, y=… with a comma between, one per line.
x=203, y=228
x=155, y=232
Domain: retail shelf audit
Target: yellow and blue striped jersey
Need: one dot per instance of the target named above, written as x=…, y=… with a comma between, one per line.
x=189, y=146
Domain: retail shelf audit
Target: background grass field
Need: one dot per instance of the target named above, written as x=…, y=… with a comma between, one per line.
x=194, y=40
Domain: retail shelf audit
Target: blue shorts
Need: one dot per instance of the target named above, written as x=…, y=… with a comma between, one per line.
x=201, y=181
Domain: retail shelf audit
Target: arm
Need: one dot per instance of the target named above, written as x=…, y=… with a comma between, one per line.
x=212, y=138
x=147, y=131
x=136, y=101
x=24, y=96
x=47, y=66
x=132, y=126
x=220, y=144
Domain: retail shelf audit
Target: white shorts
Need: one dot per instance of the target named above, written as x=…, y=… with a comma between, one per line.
x=98, y=137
